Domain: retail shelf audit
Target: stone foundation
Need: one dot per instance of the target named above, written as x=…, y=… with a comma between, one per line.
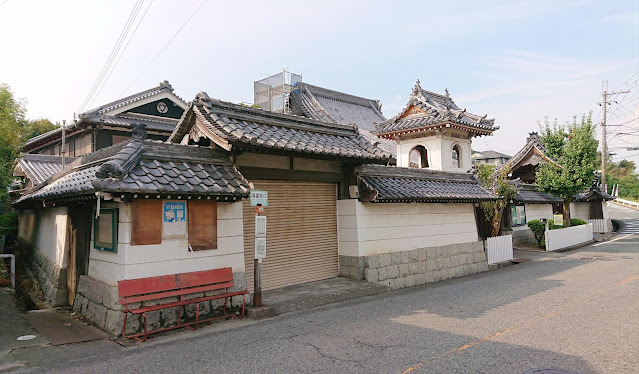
x=98, y=303
x=523, y=236
x=52, y=279
x=418, y=266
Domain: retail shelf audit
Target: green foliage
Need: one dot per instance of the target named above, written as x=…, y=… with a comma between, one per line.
x=8, y=223
x=574, y=147
x=12, y=118
x=33, y=128
x=552, y=226
x=538, y=229
x=496, y=181
x=623, y=174
x=577, y=222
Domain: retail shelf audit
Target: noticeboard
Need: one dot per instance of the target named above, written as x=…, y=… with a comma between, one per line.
x=259, y=198
x=558, y=219
x=260, y=248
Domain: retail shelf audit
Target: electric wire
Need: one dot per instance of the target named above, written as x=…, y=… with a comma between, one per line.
x=162, y=50
x=122, y=53
x=114, y=51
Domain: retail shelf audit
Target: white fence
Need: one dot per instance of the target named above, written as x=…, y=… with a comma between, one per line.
x=563, y=238
x=633, y=204
x=601, y=226
x=499, y=249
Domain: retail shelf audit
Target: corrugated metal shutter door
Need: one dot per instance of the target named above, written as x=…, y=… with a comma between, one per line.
x=301, y=233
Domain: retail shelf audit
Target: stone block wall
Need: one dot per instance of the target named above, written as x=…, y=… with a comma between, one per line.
x=419, y=266
x=52, y=279
x=98, y=303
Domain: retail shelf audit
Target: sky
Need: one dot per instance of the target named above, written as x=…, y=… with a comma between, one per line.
x=516, y=61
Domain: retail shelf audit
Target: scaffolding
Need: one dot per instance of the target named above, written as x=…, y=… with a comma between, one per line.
x=273, y=93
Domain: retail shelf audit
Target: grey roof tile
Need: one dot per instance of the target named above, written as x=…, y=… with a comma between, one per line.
x=250, y=127
x=215, y=174
x=395, y=184
x=39, y=168
x=531, y=194
x=433, y=110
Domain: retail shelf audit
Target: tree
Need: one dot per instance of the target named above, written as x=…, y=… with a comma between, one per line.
x=622, y=174
x=12, y=112
x=574, y=147
x=33, y=128
x=496, y=181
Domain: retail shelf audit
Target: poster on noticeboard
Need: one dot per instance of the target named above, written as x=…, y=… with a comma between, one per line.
x=174, y=219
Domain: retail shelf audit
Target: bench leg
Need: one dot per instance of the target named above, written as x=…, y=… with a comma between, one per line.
x=243, y=304
x=126, y=314
x=197, y=314
x=145, y=332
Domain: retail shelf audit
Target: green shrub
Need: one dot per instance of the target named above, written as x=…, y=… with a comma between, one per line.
x=538, y=229
x=577, y=222
x=552, y=226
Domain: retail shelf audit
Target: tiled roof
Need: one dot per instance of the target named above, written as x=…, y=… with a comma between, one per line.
x=145, y=167
x=594, y=194
x=333, y=106
x=381, y=184
x=99, y=116
x=531, y=194
x=39, y=168
x=231, y=125
x=532, y=143
x=426, y=110
x=490, y=154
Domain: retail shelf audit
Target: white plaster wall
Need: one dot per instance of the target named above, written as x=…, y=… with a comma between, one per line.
x=538, y=211
x=173, y=255
x=604, y=207
x=48, y=234
x=440, y=152
x=580, y=210
x=365, y=229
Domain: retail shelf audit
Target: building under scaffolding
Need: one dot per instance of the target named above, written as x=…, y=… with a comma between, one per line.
x=273, y=93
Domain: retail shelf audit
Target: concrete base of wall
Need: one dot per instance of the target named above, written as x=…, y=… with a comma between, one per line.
x=98, y=303
x=418, y=266
x=52, y=280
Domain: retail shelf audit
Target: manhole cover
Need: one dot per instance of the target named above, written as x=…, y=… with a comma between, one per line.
x=550, y=371
x=26, y=337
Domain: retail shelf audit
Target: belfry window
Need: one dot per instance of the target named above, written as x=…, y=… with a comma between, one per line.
x=418, y=157
x=456, y=157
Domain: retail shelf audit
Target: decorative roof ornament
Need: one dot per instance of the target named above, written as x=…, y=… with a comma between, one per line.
x=447, y=94
x=138, y=133
x=417, y=89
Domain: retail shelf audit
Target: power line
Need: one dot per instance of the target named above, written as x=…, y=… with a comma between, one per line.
x=114, y=51
x=121, y=54
x=162, y=50
x=4, y=2
x=618, y=88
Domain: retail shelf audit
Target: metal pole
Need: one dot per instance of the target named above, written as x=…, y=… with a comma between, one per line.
x=63, y=151
x=604, y=154
x=257, y=275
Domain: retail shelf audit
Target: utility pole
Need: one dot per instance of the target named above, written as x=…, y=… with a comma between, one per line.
x=604, y=152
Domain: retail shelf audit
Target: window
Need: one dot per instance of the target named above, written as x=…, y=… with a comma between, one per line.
x=518, y=215
x=105, y=230
x=146, y=222
x=202, y=224
x=418, y=157
x=456, y=157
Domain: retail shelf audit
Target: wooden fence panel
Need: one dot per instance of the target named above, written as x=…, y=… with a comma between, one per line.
x=499, y=249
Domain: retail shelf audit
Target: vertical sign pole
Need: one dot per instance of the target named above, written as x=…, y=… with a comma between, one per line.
x=257, y=271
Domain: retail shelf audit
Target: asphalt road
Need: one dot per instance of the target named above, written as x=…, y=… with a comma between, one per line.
x=576, y=311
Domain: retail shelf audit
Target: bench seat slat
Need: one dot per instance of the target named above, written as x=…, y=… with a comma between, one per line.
x=160, y=295
x=184, y=302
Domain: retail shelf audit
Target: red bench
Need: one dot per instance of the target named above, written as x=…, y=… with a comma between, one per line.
x=183, y=284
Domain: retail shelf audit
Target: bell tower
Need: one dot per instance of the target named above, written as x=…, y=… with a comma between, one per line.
x=433, y=132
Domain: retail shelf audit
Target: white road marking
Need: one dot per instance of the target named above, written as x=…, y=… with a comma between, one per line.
x=613, y=240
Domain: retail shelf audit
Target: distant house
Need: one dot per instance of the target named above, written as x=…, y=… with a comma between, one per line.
x=158, y=108
x=531, y=203
x=490, y=158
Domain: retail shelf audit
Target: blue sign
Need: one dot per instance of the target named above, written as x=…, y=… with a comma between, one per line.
x=174, y=211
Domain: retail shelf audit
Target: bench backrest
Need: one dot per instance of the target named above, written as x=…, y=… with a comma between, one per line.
x=152, y=288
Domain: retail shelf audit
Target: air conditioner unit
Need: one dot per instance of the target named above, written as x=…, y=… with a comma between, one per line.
x=353, y=191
